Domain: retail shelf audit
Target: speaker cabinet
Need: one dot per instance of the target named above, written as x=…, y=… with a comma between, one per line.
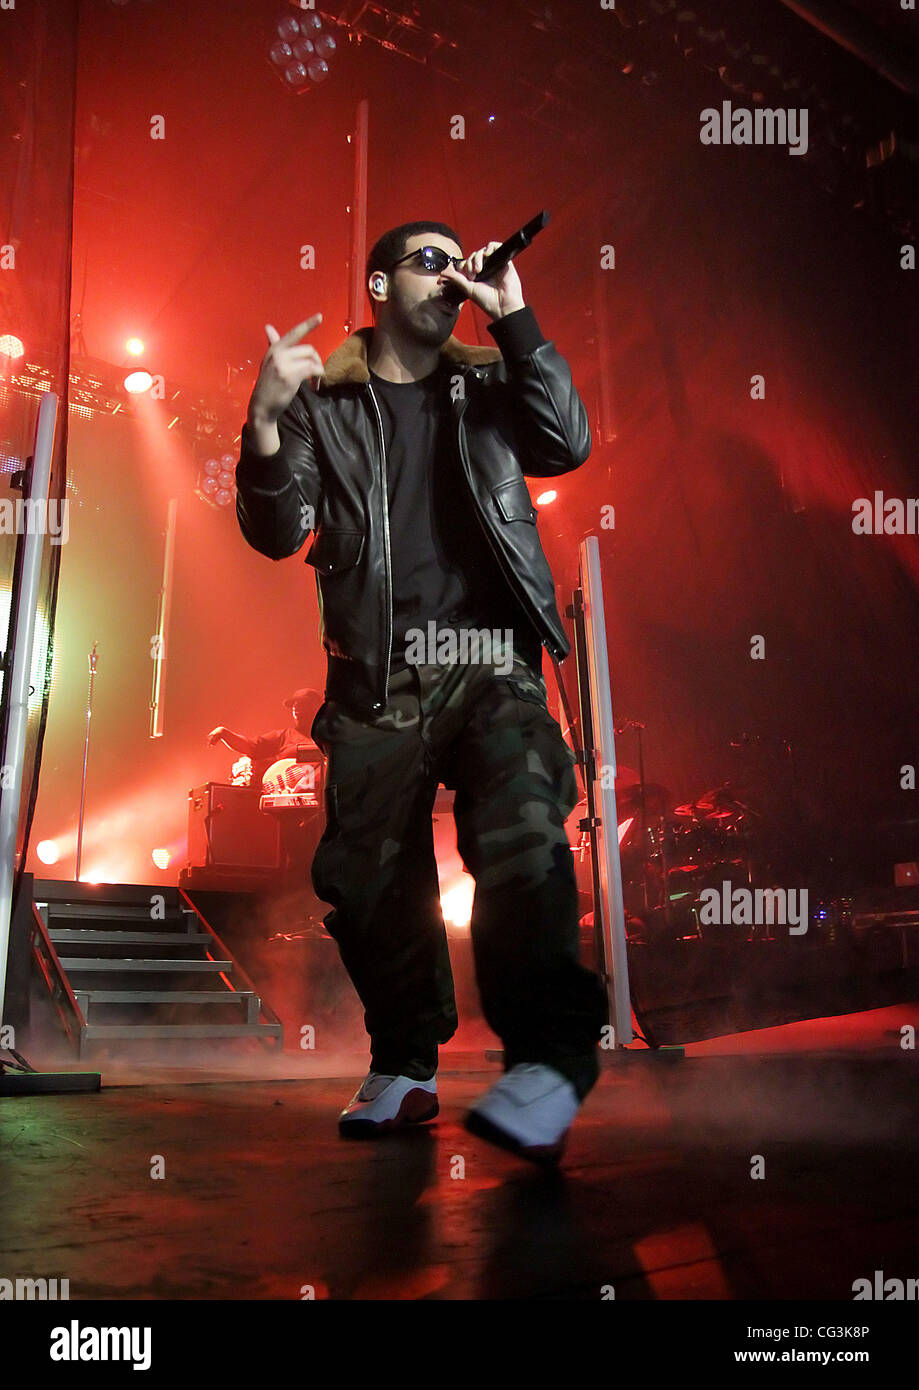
x=226, y=829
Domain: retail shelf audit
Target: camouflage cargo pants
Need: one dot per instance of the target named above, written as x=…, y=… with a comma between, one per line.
x=491, y=738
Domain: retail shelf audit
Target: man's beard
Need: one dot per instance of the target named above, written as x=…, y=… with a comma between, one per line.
x=428, y=325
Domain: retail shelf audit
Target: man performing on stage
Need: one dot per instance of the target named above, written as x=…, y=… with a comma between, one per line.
x=299, y=830
x=278, y=743
x=406, y=453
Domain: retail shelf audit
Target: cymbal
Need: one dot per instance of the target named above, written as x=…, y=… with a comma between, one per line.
x=714, y=805
x=721, y=797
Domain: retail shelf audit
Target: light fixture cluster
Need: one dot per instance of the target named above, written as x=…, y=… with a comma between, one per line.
x=217, y=481
x=300, y=46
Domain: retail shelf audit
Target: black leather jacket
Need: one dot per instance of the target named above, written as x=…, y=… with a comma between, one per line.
x=515, y=411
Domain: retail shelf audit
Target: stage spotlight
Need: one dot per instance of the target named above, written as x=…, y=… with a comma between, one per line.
x=11, y=346
x=48, y=851
x=134, y=346
x=138, y=382
x=545, y=498
x=161, y=858
x=456, y=902
x=97, y=876
x=298, y=51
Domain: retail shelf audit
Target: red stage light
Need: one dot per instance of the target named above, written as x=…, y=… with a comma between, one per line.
x=456, y=901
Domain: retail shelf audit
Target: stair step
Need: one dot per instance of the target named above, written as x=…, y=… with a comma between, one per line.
x=68, y=935
x=139, y=950
x=164, y=996
x=107, y=912
x=182, y=1030
x=76, y=964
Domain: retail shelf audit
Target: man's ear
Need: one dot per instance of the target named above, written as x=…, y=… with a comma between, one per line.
x=379, y=287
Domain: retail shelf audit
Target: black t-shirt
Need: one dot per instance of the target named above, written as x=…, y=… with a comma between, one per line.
x=443, y=566
x=278, y=743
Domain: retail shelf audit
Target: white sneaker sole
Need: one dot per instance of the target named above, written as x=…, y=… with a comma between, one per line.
x=546, y=1155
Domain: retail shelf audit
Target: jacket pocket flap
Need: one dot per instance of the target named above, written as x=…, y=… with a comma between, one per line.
x=513, y=501
x=333, y=551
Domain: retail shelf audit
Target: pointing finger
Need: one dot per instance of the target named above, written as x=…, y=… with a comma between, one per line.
x=306, y=326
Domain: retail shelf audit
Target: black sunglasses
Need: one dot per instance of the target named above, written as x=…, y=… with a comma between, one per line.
x=432, y=258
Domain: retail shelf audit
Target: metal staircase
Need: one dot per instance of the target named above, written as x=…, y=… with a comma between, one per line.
x=139, y=961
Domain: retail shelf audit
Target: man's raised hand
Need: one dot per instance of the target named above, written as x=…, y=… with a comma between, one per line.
x=286, y=364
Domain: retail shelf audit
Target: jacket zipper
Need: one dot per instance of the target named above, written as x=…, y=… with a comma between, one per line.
x=464, y=460
x=386, y=542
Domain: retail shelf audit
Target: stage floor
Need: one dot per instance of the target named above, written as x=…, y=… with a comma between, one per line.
x=260, y=1197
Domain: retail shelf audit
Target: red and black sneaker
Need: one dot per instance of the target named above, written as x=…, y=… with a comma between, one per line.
x=385, y=1103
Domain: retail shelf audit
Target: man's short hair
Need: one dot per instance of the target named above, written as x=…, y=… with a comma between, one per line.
x=391, y=246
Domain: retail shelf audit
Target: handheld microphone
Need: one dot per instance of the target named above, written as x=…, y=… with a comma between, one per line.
x=500, y=257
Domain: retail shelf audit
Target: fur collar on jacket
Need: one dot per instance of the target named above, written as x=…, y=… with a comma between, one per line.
x=348, y=363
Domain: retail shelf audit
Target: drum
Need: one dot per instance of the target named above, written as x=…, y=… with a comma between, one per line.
x=292, y=785
x=669, y=856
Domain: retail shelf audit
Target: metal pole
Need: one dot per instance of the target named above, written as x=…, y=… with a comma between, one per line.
x=89, y=715
x=604, y=346
x=162, y=625
x=602, y=775
x=19, y=670
x=356, y=287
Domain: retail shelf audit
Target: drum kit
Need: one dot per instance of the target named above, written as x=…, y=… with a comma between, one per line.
x=670, y=855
